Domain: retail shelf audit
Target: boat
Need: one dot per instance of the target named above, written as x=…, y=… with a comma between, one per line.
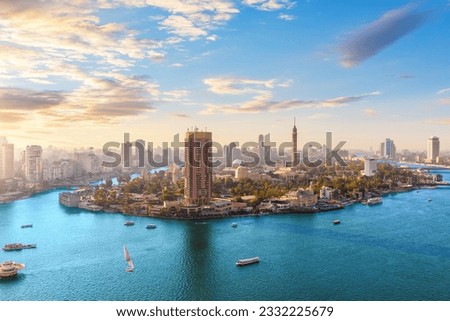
x=150, y=226
x=129, y=223
x=27, y=225
x=9, y=269
x=18, y=246
x=374, y=201
x=336, y=222
x=233, y=225
x=429, y=200
x=130, y=267
x=251, y=260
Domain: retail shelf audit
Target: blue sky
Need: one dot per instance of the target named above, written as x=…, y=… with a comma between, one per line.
x=83, y=72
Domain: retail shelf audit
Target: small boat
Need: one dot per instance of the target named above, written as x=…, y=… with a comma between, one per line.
x=336, y=222
x=374, y=201
x=251, y=260
x=150, y=226
x=130, y=267
x=233, y=225
x=429, y=200
x=129, y=223
x=27, y=225
x=18, y=246
x=9, y=269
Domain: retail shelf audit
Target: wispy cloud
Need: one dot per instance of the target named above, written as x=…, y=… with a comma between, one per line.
x=180, y=115
x=319, y=116
x=442, y=121
x=239, y=86
x=381, y=33
x=443, y=91
x=286, y=17
x=264, y=103
x=269, y=5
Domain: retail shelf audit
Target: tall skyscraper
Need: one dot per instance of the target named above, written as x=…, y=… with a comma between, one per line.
x=33, y=165
x=370, y=167
x=433, y=149
x=294, y=145
x=6, y=159
x=198, y=168
x=389, y=149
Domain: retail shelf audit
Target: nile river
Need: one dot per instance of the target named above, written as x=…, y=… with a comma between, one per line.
x=399, y=250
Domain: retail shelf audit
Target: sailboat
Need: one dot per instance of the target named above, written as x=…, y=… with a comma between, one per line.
x=130, y=267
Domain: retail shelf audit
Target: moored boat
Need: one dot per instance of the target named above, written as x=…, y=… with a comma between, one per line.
x=336, y=222
x=128, y=223
x=18, y=246
x=9, y=269
x=374, y=201
x=150, y=226
x=27, y=225
x=248, y=261
x=233, y=225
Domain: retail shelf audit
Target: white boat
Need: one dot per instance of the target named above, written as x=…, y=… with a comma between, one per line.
x=9, y=269
x=247, y=261
x=130, y=267
x=150, y=226
x=233, y=225
x=374, y=201
x=128, y=223
x=336, y=222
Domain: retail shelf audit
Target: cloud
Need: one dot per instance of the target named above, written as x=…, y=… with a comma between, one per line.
x=443, y=91
x=381, y=33
x=445, y=101
x=269, y=5
x=28, y=100
x=264, y=102
x=179, y=115
x=11, y=117
x=286, y=17
x=239, y=86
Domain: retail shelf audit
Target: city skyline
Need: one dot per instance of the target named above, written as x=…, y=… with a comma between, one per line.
x=81, y=73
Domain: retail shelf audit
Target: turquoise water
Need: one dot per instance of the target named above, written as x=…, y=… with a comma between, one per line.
x=399, y=250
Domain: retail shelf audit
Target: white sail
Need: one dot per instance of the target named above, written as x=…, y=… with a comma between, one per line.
x=130, y=266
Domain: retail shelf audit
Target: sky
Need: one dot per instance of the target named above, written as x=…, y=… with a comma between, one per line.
x=84, y=72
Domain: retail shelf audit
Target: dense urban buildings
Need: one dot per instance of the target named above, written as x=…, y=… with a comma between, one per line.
x=6, y=159
x=198, y=168
x=433, y=150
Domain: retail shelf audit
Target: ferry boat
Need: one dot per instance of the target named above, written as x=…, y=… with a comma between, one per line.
x=150, y=226
x=18, y=246
x=251, y=260
x=9, y=269
x=27, y=225
x=233, y=225
x=374, y=201
x=336, y=222
x=128, y=223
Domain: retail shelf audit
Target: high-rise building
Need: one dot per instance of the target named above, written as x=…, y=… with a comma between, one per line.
x=433, y=149
x=198, y=168
x=33, y=165
x=370, y=167
x=389, y=149
x=382, y=150
x=294, y=146
x=6, y=159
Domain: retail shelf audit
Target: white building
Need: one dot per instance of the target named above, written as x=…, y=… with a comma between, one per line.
x=433, y=149
x=6, y=159
x=370, y=167
x=241, y=173
x=33, y=165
